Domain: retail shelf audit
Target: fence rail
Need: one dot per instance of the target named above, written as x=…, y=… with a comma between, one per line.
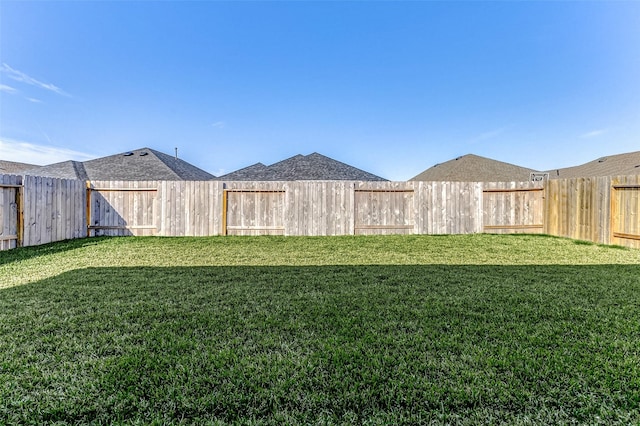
x=37, y=210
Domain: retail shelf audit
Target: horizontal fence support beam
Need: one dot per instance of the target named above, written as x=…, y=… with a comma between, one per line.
x=4, y=185
x=626, y=236
x=626, y=186
x=124, y=189
x=8, y=237
x=384, y=190
x=124, y=227
x=255, y=228
x=513, y=226
x=512, y=189
x=384, y=227
x=262, y=191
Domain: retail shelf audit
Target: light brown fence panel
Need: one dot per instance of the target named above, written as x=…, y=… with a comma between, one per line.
x=578, y=208
x=625, y=211
x=53, y=210
x=384, y=208
x=513, y=207
x=254, y=208
x=10, y=191
x=319, y=208
x=554, y=207
x=448, y=207
x=121, y=208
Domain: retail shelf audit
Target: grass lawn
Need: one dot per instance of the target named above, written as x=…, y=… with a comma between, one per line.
x=339, y=330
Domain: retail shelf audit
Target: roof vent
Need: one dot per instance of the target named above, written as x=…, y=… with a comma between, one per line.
x=128, y=154
x=142, y=154
x=635, y=167
x=602, y=160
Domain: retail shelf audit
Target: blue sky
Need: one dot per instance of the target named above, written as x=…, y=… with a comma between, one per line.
x=389, y=87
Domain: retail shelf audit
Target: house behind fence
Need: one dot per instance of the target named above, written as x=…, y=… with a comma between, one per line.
x=38, y=210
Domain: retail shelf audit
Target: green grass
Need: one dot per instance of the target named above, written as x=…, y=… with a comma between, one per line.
x=343, y=330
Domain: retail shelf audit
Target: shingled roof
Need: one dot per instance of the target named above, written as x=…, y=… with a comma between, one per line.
x=63, y=170
x=474, y=168
x=139, y=164
x=612, y=165
x=253, y=172
x=302, y=167
x=14, y=168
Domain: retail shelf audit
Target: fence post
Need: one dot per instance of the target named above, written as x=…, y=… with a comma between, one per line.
x=224, y=211
x=352, y=196
x=88, y=209
x=20, y=212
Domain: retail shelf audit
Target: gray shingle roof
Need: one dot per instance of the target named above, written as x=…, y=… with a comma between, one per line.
x=303, y=167
x=139, y=164
x=253, y=172
x=63, y=170
x=474, y=168
x=612, y=165
x=184, y=170
x=14, y=168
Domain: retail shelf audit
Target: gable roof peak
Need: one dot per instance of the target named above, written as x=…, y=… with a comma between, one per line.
x=474, y=168
x=314, y=166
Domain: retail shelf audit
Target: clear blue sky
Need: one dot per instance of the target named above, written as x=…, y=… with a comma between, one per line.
x=389, y=87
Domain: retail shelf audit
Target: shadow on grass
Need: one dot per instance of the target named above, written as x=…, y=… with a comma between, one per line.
x=323, y=344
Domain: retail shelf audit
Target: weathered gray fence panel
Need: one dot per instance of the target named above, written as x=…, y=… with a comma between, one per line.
x=121, y=208
x=53, y=210
x=189, y=208
x=448, y=207
x=384, y=208
x=254, y=208
x=319, y=208
x=10, y=191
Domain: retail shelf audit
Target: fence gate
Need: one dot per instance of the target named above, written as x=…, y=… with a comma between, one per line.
x=10, y=211
x=625, y=214
x=384, y=211
x=513, y=210
x=121, y=208
x=253, y=212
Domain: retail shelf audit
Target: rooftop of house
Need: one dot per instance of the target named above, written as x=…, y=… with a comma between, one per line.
x=254, y=172
x=611, y=165
x=302, y=167
x=63, y=170
x=14, y=168
x=139, y=164
x=149, y=164
x=474, y=168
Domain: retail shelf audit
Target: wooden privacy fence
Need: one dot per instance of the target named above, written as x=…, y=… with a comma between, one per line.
x=36, y=210
x=121, y=208
x=599, y=209
x=513, y=207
